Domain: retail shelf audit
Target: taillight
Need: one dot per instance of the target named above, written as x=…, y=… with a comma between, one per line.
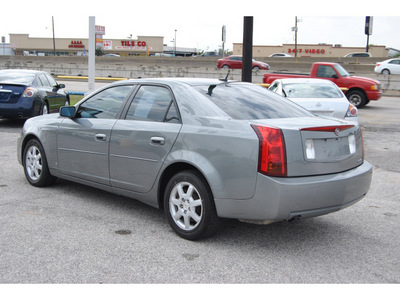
x=352, y=111
x=29, y=92
x=272, y=151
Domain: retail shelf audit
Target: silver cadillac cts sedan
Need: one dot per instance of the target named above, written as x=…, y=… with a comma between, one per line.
x=201, y=149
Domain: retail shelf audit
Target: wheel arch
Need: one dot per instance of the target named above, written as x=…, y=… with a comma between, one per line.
x=26, y=139
x=169, y=172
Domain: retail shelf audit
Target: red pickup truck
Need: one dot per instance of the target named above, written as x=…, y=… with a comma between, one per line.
x=359, y=90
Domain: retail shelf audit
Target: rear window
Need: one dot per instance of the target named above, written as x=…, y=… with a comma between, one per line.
x=251, y=102
x=311, y=90
x=17, y=77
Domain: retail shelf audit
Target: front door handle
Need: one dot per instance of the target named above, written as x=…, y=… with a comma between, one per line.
x=101, y=137
x=157, y=140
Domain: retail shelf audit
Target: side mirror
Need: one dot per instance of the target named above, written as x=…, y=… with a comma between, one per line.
x=335, y=76
x=58, y=86
x=68, y=111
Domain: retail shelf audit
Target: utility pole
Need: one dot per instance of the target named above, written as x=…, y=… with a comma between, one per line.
x=295, y=28
x=368, y=29
x=247, y=56
x=54, y=37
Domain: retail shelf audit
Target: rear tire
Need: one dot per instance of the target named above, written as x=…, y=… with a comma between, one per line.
x=189, y=206
x=45, y=109
x=35, y=165
x=385, y=72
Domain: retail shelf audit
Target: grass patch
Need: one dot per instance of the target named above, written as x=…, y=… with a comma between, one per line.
x=73, y=99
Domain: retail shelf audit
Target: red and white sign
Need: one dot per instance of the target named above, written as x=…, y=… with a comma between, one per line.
x=101, y=30
x=76, y=44
x=107, y=45
x=307, y=51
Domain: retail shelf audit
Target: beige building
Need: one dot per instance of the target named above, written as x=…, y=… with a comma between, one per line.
x=311, y=50
x=143, y=45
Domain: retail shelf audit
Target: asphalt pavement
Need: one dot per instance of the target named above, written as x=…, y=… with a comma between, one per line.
x=70, y=233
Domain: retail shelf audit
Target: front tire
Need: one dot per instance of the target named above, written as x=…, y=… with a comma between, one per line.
x=189, y=206
x=35, y=165
x=357, y=98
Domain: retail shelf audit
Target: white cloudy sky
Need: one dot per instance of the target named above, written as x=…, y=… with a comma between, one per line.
x=199, y=23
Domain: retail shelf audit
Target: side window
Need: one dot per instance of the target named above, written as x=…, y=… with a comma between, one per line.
x=325, y=71
x=52, y=82
x=105, y=104
x=43, y=81
x=153, y=103
x=274, y=87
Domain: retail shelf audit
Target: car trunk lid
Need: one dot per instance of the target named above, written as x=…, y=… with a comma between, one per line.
x=319, y=146
x=10, y=93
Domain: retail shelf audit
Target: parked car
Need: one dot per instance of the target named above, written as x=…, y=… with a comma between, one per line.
x=389, y=66
x=210, y=53
x=201, y=149
x=280, y=55
x=359, y=54
x=321, y=97
x=235, y=62
x=111, y=55
x=28, y=93
x=359, y=90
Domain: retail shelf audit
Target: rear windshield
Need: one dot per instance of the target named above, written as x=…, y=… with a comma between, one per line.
x=251, y=102
x=16, y=77
x=311, y=90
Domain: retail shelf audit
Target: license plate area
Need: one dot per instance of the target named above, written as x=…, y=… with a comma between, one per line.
x=329, y=149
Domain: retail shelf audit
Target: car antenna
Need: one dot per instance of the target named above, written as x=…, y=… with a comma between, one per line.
x=226, y=78
x=210, y=89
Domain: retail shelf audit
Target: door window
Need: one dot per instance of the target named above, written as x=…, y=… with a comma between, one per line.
x=105, y=104
x=325, y=71
x=153, y=103
x=43, y=81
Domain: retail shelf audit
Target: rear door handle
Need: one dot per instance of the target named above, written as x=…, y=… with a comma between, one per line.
x=101, y=137
x=157, y=140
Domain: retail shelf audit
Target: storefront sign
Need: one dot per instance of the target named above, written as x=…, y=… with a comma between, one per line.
x=76, y=44
x=107, y=45
x=307, y=51
x=101, y=30
x=132, y=43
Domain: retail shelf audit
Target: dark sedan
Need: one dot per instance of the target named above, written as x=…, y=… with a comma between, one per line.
x=28, y=93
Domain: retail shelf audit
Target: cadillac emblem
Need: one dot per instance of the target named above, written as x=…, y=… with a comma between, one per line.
x=337, y=131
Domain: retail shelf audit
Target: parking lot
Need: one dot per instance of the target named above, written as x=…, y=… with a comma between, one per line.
x=69, y=233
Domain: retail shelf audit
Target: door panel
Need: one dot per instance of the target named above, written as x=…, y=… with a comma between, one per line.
x=83, y=148
x=140, y=143
x=137, y=152
x=83, y=142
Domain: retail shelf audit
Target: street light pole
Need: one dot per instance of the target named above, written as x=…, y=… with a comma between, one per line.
x=54, y=37
x=175, y=44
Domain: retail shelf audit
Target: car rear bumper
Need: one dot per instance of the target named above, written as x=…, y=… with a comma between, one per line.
x=278, y=199
x=21, y=109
